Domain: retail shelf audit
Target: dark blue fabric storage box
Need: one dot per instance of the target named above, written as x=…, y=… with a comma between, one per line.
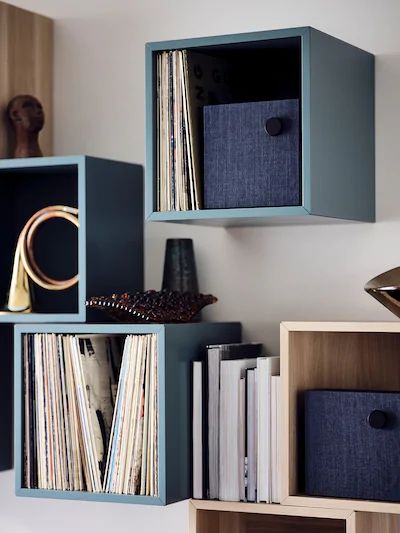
x=244, y=165
x=352, y=444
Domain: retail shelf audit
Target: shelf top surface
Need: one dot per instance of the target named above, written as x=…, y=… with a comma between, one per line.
x=12, y=318
x=109, y=328
x=34, y=162
x=344, y=327
x=89, y=328
x=54, y=161
x=268, y=508
x=229, y=39
x=330, y=504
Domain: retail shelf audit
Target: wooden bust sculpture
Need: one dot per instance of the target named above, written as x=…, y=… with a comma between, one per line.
x=27, y=118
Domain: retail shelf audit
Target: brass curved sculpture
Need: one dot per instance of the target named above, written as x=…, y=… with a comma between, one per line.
x=25, y=266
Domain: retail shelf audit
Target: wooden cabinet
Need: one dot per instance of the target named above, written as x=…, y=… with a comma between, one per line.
x=332, y=355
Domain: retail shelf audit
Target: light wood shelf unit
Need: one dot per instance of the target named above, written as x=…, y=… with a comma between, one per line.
x=207, y=516
x=338, y=355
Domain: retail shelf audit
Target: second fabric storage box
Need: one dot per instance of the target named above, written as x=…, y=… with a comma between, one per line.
x=352, y=444
x=252, y=155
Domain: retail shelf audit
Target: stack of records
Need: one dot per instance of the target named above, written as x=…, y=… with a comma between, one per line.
x=90, y=413
x=186, y=82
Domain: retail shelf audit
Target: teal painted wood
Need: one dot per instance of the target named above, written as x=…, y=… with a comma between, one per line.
x=217, y=40
x=6, y=397
x=338, y=171
x=227, y=217
x=88, y=496
x=110, y=202
x=34, y=162
x=179, y=340
x=178, y=346
x=341, y=148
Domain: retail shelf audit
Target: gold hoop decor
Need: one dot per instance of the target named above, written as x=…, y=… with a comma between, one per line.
x=25, y=267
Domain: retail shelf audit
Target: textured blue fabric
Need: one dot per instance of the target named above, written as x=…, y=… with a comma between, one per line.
x=344, y=456
x=243, y=165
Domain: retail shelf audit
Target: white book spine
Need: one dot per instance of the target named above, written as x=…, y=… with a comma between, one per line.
x=274, y=439
x=242, y=439
x=267, y=366
x=213, y=361
x=278, y=484
x=251, y=436
x=228, y=437
x=197, y=430
x=231, y=467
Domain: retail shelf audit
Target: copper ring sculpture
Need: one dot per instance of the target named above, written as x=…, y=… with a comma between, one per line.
x=25, y=266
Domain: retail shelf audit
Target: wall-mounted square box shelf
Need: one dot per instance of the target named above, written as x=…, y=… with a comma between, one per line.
x=220, y=517
x=334, y=82
x=337, y=355
x=106, y=251
x=177, y=346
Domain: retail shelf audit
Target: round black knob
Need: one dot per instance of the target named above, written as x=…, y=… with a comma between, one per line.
x=377, y=419
x=273, y=126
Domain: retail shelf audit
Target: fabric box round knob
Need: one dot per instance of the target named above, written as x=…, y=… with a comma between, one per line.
x=252, y=155
x=352, y=444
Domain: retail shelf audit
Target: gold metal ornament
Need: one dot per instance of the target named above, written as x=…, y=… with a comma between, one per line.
x=386, y=289
x=25, y=267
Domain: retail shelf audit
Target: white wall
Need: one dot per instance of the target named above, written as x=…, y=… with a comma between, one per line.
x=261, y=275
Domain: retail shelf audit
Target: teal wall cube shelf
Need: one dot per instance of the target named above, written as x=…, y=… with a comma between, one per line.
x=6, y=396
x=107, y=250
x=335, y=84
x=178, y=346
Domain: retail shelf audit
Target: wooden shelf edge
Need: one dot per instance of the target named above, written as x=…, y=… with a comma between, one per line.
x=343, y=327
x=356, y=521
x=101, y=497
x=338, y=503
x=274, y=509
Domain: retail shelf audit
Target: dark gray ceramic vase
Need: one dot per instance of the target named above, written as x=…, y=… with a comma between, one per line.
x=180, y=267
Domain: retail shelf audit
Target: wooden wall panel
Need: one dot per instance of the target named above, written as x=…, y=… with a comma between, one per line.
x=26, y=67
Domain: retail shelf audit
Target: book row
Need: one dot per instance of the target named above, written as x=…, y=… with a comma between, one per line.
x=236, y=416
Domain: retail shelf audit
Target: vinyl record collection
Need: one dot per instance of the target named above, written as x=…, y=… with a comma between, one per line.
x=178, y=182
x=186, y=82
x=90, y=413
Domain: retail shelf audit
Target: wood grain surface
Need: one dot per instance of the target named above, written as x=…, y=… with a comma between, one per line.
x=26, y=66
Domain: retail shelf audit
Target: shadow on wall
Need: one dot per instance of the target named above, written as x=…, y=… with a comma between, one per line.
x=387, y=120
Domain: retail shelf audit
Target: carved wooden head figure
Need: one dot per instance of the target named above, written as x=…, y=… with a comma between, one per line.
x=27, y=118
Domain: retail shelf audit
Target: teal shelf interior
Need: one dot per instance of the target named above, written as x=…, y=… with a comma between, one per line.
x=109, y=196
x=6, y=397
